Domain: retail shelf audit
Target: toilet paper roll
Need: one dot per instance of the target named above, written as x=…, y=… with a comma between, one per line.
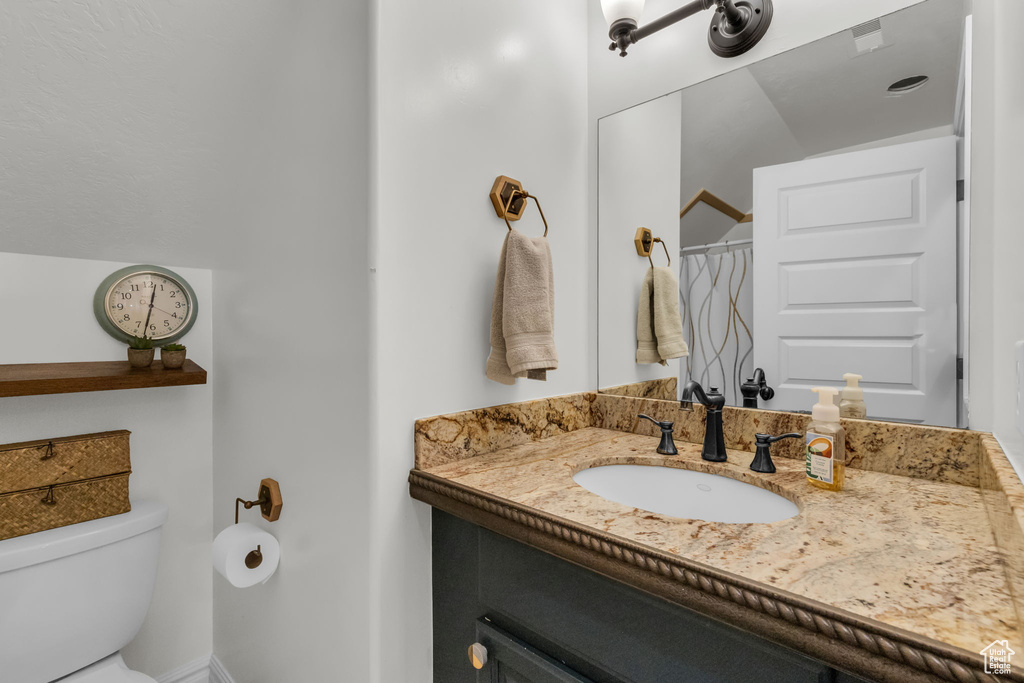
x=231, y=547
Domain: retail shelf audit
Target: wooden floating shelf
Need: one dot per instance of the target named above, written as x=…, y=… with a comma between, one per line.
x=35, y=379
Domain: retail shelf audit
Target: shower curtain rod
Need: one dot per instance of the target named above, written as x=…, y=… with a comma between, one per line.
x=707, y=247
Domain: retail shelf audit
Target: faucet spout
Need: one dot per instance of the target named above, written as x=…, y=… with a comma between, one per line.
x=714, y=438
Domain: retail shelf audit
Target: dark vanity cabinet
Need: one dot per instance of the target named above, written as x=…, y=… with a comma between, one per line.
x=544, y=620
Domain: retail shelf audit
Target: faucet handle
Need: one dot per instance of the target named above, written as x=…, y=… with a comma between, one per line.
x=663, y=425
x=769, y=439
x=763, y=456
x=667, y=445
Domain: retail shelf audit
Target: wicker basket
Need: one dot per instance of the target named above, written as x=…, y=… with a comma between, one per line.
x=56, y=482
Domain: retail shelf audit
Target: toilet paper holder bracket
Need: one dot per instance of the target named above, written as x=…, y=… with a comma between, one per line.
x=268, y=498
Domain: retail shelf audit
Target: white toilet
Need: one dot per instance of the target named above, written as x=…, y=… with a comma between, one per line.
x=71, y=598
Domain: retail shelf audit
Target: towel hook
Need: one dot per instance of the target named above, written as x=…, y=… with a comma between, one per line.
x=665, y=247
x=644, y=241
x=527, y=195
x=510, y=200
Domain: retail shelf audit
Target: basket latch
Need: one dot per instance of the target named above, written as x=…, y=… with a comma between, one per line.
x=49, y=499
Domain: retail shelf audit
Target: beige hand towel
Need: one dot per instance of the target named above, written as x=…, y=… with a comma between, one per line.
x=668, y=324
x=522, y=311
x=659, y=327
x=646, y=341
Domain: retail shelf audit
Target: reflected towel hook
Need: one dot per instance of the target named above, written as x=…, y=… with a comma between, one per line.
x=509, y=200
x=644, y=241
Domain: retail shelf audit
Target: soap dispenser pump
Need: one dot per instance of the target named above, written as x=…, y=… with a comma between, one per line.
x=852, y=403
x=826, y=443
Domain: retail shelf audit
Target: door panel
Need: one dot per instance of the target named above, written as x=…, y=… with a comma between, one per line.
x=860, y=253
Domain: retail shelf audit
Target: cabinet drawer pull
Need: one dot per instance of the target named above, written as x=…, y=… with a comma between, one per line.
x=477, y=655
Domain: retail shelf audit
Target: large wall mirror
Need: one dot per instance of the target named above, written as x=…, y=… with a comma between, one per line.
x=809, y=207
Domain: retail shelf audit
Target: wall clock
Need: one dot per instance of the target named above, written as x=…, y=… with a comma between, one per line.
x=145, y=301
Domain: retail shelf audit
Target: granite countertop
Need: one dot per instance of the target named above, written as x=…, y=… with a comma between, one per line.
x=908, y=573
x=916, y=554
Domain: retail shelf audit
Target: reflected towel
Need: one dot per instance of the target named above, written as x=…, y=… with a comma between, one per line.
x=659, y=327
x=522, y=311
x=668, y=324
x=646, y=340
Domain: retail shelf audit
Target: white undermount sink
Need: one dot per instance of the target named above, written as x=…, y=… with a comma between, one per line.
x=686, y=494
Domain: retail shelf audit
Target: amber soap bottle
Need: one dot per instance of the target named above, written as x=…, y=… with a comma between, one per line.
x=826, y=443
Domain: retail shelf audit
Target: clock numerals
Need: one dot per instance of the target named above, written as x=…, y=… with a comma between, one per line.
x=146, y=304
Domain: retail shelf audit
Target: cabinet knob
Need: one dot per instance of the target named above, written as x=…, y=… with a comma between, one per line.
x=477, y=655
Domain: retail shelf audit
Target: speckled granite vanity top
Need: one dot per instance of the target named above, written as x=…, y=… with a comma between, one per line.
x=929, y=554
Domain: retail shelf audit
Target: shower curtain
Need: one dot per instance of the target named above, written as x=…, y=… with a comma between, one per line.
x=717, y=306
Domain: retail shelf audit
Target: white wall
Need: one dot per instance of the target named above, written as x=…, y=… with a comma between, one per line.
x=230, y=135
x=292, y=400
x=997, y=243
x=465, y=91
x=46, y=306
x=639, y=186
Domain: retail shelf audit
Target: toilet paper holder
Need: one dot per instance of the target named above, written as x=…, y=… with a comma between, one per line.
x=269, y=499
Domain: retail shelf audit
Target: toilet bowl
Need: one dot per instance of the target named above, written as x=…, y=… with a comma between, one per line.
x=74, y=596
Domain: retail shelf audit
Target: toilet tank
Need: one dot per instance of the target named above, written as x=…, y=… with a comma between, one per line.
x=71, y=596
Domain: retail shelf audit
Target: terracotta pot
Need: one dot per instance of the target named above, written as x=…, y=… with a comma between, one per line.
x=172, y=359
x=140, y=358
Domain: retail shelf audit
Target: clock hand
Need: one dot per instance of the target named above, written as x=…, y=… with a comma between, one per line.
x=156, y=308
x=150, y=314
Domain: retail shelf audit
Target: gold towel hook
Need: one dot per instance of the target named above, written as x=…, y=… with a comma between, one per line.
x=644, y=241
x=665, y=247
x=510, y=201
x=525, y=195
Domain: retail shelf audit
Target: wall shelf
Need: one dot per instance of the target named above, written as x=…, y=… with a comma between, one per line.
x=34, y=379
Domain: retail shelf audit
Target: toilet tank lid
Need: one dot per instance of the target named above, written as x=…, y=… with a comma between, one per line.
x=44, y=546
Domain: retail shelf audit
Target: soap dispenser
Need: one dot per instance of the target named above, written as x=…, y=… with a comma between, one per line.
x=826, y=443
x=852, y=403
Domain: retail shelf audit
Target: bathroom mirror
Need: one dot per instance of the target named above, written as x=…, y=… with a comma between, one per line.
x=809, y=205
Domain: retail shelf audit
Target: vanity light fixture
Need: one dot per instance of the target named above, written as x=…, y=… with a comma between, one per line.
x=737, y=25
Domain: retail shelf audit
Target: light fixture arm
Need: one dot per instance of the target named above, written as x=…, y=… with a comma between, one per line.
x=625, y=32
x=734, y=29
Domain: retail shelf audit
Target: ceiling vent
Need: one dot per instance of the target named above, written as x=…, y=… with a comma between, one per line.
x=867, y=37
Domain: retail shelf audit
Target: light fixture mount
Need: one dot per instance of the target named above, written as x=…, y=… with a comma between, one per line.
x=733, y=33
x=737, y=25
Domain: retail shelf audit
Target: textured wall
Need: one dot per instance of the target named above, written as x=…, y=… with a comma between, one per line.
x=466, y=91
x=231, y=135
x=997, y=244
x=292, y=340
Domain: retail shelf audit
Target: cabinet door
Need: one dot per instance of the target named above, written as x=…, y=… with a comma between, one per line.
x=510, y=660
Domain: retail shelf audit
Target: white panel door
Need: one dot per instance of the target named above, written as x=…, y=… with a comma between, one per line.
x=855, y=271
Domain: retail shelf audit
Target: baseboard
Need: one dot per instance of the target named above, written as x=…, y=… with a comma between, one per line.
x=218, y=674
x=193, y=672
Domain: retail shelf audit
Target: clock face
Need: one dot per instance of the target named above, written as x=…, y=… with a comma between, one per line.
x=145, y=301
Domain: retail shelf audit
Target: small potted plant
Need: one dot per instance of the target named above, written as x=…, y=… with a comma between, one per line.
x=140, y=352
x=172, y=356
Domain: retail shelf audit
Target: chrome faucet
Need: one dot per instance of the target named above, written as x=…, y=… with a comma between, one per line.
x=714, y=439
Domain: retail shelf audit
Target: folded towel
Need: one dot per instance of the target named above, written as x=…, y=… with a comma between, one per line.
x=668, y=324
x=523, y=311
x=659, y=327
x=646, y=340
